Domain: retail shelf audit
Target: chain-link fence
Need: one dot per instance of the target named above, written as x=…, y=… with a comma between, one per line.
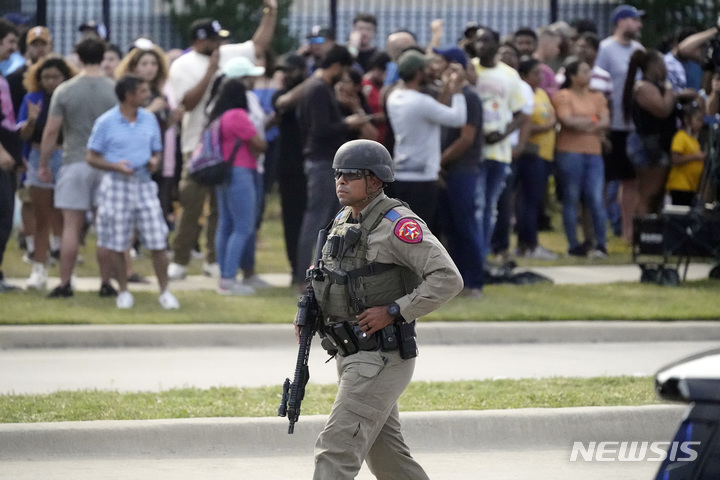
x=131, y=18
x=505, y=16
x=128, y=20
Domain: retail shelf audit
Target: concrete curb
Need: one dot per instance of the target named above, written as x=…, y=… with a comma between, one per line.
x=425, y=431
x=429, y=333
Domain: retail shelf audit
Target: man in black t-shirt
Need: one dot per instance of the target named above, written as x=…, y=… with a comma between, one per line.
x=8, y=157
x=324, y=130
x=362, y=39
x=290, y=175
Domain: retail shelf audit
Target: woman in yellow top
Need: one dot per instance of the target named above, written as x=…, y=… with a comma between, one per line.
x=687, y=157
x=533, y=165
x=584, y=117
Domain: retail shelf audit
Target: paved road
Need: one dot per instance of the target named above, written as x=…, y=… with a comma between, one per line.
x=155, y=369
x=498, y=465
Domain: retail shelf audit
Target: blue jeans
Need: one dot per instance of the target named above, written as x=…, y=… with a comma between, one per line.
x=531, y=179
x=581, y=175
x=247, y=260
x=237, y=209
x=457, y=202
x=491, y=183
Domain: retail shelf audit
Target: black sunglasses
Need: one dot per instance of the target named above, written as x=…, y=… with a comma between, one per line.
x=350, y=174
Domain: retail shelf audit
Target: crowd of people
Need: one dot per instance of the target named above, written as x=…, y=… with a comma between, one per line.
x=476, y=130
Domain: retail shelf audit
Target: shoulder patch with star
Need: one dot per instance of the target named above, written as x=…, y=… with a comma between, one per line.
x=409, y=231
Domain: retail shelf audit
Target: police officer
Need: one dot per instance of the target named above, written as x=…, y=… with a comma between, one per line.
x=381, y=270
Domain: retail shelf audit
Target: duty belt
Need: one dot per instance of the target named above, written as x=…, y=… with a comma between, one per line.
x=345, y=338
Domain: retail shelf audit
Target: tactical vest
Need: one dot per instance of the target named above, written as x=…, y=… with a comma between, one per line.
x=351, y=283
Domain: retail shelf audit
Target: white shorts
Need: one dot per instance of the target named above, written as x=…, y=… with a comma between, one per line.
x=126, y=205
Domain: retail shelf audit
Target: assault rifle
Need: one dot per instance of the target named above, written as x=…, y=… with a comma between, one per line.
x=309, y=318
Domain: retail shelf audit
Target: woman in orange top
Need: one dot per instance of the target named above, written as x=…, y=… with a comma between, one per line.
x=583, y=116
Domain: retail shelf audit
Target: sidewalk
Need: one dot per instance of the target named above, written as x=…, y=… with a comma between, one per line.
x=562, y=275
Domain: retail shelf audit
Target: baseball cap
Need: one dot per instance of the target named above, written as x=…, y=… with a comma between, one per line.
x=291, y=61
x=318, y=31
x=239, y=67
x=207, y=28
x=411, y=62
x=97, y=27
x=38, y=33
x=625, y=11
x=452, y=54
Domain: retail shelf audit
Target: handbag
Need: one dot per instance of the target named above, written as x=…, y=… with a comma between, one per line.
x=207, y=165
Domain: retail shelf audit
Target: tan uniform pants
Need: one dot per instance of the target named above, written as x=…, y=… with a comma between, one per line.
x=192, y=200
x=364, y=423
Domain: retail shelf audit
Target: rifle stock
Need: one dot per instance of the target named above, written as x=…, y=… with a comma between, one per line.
x=308, y=318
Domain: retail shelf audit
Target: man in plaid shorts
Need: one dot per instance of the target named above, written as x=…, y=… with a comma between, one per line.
x=125, y=142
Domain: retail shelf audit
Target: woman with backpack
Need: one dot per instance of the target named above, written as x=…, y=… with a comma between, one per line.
x=237, y=197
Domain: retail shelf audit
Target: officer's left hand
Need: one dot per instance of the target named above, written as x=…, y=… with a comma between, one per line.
x=374, y=319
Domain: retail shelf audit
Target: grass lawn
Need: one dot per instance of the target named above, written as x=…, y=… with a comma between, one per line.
x=263, y=402
x=620, y=301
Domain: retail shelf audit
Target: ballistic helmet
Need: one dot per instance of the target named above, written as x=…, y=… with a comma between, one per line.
x=366, y=155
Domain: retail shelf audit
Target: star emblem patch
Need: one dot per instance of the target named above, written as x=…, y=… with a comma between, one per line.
x=409, y=231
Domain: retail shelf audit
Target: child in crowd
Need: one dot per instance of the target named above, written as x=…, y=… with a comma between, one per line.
x=687, y=157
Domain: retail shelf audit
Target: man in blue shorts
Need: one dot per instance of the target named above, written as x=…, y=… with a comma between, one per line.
x=125, y=142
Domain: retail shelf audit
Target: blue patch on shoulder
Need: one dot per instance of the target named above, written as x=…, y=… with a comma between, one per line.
x=340, y=213
x=392, y=215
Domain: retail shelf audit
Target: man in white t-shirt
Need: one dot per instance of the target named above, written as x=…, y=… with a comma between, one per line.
x=191, y=78
x=500, y=89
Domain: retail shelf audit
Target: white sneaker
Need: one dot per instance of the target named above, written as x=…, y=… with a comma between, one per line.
x=541, y=253
x=196, y=254
x=211, y=269
x=256, y=282
x=124, y=300
x=168, y=301
x=38, y=277
x=28, y=257
x=176, y=271
x=232, y=287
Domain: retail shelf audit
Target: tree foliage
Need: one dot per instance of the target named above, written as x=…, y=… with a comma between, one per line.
x=241, y=18
x=664, y=18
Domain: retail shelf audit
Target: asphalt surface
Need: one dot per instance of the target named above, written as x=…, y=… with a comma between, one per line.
x=155, y=369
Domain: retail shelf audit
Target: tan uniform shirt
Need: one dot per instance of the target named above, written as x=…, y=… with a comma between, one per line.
x=405, y=239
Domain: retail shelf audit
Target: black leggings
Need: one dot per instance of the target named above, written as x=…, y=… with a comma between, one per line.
x=7, y=209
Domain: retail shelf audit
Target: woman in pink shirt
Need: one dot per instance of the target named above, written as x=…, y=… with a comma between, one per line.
x=237, y=198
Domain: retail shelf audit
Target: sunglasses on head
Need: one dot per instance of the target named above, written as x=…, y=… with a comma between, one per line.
x=350, y=174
